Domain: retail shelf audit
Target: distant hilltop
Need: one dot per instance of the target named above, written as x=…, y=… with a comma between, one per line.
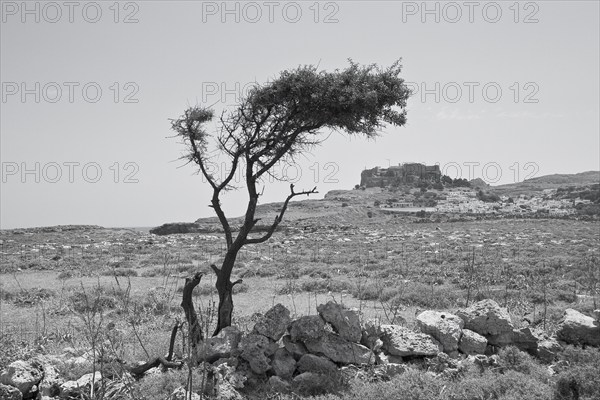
x=401, y=173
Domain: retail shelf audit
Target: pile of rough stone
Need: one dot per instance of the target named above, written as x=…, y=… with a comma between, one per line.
x=311, y=354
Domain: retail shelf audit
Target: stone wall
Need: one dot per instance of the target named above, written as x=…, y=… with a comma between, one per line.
x=311, y=354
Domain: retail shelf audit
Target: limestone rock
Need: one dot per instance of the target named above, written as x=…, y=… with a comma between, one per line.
x=345, y=322
x=371, y=334
x=22, y=375
x=383, y=358
x=311, y=384
x=486, y=317
x=308, y=327
x=228, y=381
x=523, y=339
x=446, y=328
x=472, y=342
x=279, y=385
x=400, y=341
x=73, y=389
x=296, y=349
x=50, y=383
x=220, y=346
x=339, y=349
x=256, y=349
x=283, y=364
x=274, y=323
x=548, y=349
x=577, y=328
x=10, y=392
x=316, y=364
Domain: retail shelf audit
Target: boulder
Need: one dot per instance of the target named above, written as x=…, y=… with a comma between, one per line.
x=220, y=346
x=256, y=349
x=523, y=339
x=345, y=322
x=22, y=375
x=10, y=392
x=316, y=364
x=296, y=349
x=311, y=384
x=283, y=364
x=274, y=323
x=50, y=384
x=486, y=317
x=472, y=342
x=74, y=389
x=310, y=327
x=401, y=341
x=339, y=349
x=577, y=328
x=548, y=349
x=279, y=385
x=446, y=328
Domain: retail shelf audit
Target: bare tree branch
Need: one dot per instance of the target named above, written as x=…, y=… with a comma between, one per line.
x=279, y=217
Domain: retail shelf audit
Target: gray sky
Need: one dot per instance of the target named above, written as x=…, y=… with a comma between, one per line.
x=504, y=91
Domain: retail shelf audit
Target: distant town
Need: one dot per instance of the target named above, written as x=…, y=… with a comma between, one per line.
x=420, y=187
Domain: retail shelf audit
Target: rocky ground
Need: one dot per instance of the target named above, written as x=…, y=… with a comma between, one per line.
x=313, y=354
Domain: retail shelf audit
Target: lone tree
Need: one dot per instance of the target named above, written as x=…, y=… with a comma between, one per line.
x=272, y=124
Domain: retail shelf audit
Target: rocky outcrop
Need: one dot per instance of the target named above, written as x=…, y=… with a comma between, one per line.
x=577, y=328
x=446, y=328
x=486, y=317
x=345, y=322
x=175, y=228
x=400, y=341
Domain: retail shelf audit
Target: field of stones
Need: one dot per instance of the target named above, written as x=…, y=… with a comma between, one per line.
x=398, y=308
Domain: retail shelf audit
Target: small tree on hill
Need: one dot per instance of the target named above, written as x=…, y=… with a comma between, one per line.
x=273, y=123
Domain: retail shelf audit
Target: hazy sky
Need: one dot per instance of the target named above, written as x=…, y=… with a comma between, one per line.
x=503, y=91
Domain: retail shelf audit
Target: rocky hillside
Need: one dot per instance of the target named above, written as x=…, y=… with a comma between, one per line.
x=356, y=207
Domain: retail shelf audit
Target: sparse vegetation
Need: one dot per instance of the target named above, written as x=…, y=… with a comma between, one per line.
x=388, y=268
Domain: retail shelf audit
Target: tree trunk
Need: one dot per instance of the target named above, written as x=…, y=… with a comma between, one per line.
x=190, y=313
x=225, y=289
